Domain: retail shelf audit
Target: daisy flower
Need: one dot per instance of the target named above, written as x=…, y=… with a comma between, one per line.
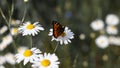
x=46, y=61
x=2, y=60
x=7, y=39
x=112, y=30
x=2, y=46
x=114, y=40
x=21, y=49
x=14, y=31
x=15, y=22
x=64, y=38
x=112, y=19
x=30, y=29
x=28, y=55
x=97, y=25
x=102, y=41
x=10, y=58
x=3, y=29
x=25, y=0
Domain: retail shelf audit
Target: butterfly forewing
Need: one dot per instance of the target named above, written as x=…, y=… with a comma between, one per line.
x=58, y=29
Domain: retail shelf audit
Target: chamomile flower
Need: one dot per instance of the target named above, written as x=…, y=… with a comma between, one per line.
x=15, y=22
x=10, y=58
x=21, y=49
x=2, y=60
x=26, y=0
x=114, y=40
x=46, y=61
x=97, y=25
x=64, y=38
x=7, y=39
x=28, y=55
x=112, y=19
x=14, y=31
x=112, y=30
x=3, y=29
x=30, y=29
x=2, y=46
x=102, y=41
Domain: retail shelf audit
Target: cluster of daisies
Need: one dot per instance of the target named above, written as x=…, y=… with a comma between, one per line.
x=7, y=38
x=33, y=55
x=8, y=58
x=107, y=32
x=32, y=29
x=37, y=58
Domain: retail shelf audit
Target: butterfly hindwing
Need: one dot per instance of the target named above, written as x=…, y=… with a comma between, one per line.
x=58, y=29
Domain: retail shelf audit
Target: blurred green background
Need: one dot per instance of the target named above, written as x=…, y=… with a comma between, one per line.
x=77, y=15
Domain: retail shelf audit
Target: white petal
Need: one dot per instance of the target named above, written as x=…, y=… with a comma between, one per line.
x=40, y=28
x=33, y=49
x=19, y=60
x=61, y=42
x=65, y=42
x=37, y=51
x=26, y=60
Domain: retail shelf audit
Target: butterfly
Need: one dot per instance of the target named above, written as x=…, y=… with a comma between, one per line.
x=58, y=29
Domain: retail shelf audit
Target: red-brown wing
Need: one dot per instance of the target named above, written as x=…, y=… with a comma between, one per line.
x=58, y=29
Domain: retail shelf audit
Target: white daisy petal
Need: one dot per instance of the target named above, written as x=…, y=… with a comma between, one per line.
x=19, y=60
x=37, y=51
x=61, y=42
x=33, y=49
x=65, y=42
x=26, y=60
x=40, y=28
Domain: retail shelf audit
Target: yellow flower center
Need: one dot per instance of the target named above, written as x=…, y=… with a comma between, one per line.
x=63, y=34
x=30, y=26
x=102, y=41
x=27, y=53
x=97, y=23
x=113, y=27
x=45, y=62
x=6, y=38
x=15, y=30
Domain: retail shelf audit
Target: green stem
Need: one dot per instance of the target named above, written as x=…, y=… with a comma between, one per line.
x=24, y=14
x=31, y=42
x=3, y=16
x=10, y=18
x=56, y=47
x=20, y=65
x=11, y=13
x=8, y=22
x=75, y=60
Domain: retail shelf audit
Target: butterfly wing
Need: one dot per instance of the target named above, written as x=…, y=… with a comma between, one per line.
x=58, y=29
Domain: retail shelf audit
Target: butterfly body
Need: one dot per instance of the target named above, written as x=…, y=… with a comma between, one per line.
x=58, y=29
